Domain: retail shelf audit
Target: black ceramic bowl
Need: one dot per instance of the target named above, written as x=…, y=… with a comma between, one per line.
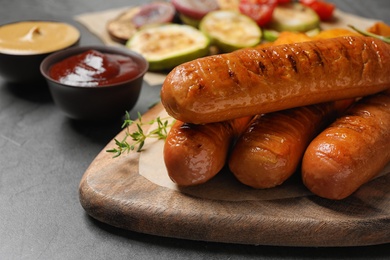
x=104, y=102
x=22, y=66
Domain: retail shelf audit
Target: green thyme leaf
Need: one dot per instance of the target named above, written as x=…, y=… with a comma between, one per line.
x=139, y=137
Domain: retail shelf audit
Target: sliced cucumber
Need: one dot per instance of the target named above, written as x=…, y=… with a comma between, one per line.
x=169, y=45
x=294, y=17
x=313, y=32
x=189, y=20
x=270, y=35
x=230, y=30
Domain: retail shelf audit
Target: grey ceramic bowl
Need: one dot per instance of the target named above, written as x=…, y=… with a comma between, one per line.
x=94, y=103
x=24, y=67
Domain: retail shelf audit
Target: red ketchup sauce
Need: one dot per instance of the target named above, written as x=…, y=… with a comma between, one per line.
x=93, y=68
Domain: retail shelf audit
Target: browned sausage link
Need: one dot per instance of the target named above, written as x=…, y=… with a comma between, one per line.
x=193, y=154
x=351, y=152
x=270, y=150
x=263, y=80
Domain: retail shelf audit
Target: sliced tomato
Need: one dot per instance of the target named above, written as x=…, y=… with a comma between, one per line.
x=283, y=1
x=307, y=2
x=322, y=8
x=259, y=10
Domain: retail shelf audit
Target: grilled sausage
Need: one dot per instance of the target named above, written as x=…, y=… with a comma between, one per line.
x=351, y=152
x=270, y=150
x=193, y=154
x=262, y=80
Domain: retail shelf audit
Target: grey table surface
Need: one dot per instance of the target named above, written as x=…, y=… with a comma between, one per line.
x=43, y=156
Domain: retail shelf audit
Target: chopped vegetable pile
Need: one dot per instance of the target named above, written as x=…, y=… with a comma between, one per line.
x=228, y=25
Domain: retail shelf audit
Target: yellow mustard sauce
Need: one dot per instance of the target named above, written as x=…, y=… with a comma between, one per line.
x=36, y=37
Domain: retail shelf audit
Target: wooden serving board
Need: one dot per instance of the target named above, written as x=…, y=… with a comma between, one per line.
x=113, y=191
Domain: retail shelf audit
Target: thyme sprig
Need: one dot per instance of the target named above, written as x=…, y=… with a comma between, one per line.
x=138, y=137
x=365, y=33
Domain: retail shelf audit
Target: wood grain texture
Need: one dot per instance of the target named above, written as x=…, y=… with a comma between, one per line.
x=112, y=191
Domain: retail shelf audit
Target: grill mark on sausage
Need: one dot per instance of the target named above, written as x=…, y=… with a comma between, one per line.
x=362, y=55
x=344, y=52
x=250, y=63
x=262, y=67
x=293, y=62
x=233, y=77
x=365, y=62
x=253, y=60
x=319, y=57
x=378, y=52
